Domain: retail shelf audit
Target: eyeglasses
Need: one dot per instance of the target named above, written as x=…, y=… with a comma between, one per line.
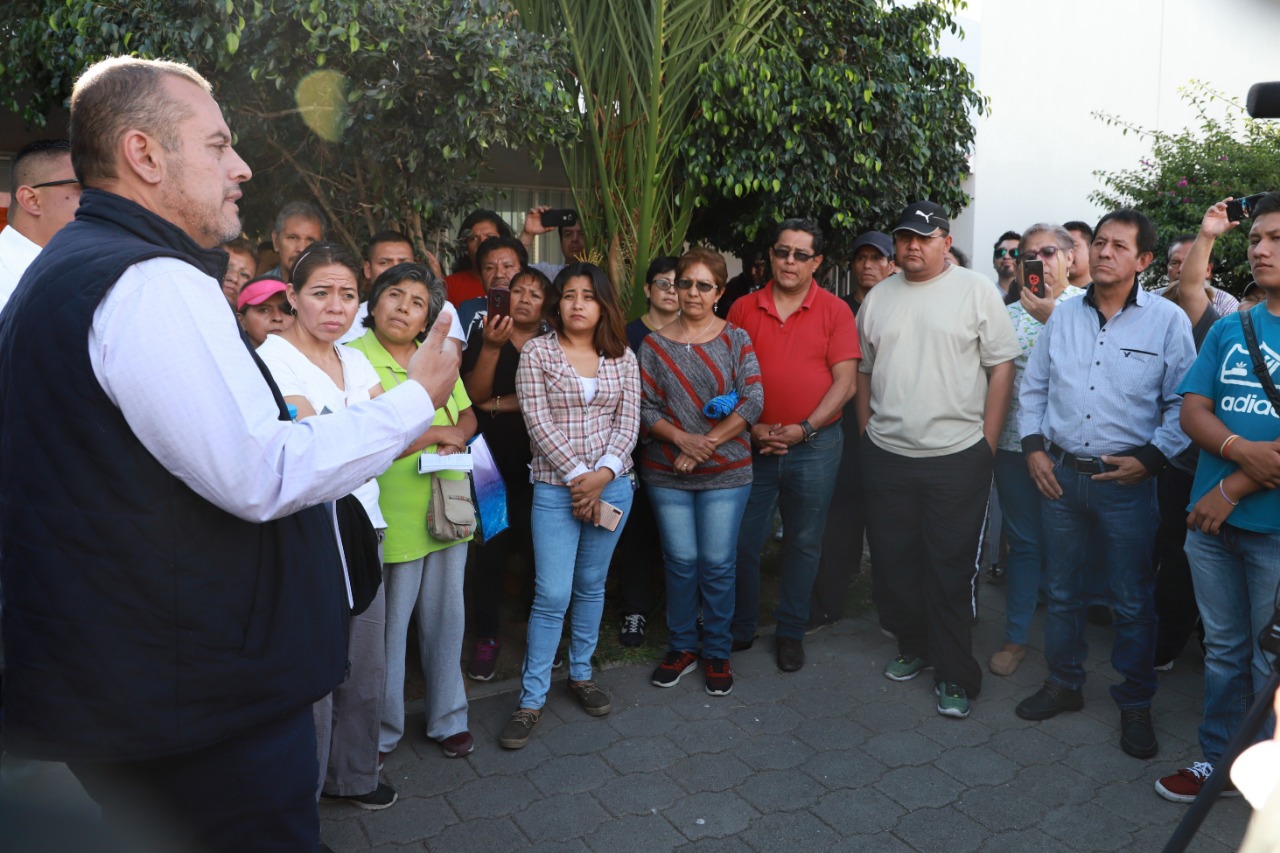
x=801, y=257
x=61, y=183
x=1006, y=253
x=663, y=284
x=1048, y=253
x=703, y=286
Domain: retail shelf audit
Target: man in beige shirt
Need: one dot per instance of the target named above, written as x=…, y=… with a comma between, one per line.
x=933, y=389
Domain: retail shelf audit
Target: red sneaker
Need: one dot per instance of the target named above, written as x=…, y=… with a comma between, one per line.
x=1185, y=785
x=675, y=665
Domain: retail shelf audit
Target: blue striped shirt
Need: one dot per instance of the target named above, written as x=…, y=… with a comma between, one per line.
x=1109, y=388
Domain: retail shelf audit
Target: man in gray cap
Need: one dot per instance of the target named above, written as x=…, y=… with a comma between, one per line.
x=846, y=519
x=933, y=391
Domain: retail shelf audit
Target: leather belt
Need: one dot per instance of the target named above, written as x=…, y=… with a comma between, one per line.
x=1079, y=464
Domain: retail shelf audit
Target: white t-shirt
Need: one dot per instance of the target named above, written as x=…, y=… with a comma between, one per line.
x=298, y=377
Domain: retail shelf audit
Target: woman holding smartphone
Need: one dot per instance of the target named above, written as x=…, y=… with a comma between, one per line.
x=579, y=392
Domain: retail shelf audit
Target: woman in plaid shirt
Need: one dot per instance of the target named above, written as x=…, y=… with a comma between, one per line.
x=579, y=391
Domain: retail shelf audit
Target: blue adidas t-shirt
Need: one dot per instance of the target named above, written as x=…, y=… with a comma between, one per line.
x=1223, y=372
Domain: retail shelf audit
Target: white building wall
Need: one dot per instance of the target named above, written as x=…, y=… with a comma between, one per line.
x=1046, y=65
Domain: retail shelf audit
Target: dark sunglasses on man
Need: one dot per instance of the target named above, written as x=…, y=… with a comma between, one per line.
x=1006, y=253
x=782, y=254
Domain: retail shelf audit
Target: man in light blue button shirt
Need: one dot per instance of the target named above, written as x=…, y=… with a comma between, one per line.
x=1099, y=420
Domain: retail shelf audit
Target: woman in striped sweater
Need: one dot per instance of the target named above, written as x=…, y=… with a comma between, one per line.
x=700, y=394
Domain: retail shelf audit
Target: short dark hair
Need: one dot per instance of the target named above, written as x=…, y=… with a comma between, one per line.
x=304, y=209
x=436, y=291
x=610, y=337
x=243, y=245
x=537, y=276
x=1080, y=228
x=808, y=226
x=659, y=265
x=322, y=254
x=31, y=156
x=1179, y=239
x=1126, y=216
x=386, y=235
x=961, y=258
x=494, y=244
x=1269, y=203
x=1008, y=235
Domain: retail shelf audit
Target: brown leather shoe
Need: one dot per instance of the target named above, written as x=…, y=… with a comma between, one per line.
x=790, y=654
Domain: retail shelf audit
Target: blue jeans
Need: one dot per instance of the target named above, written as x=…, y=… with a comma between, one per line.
x=1235, y=575
x=800, y=483
x=1021, y=501
x=1121, y=521
x=699, y=532
x=571, y=560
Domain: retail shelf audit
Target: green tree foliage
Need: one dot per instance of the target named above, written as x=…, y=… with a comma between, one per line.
x=844, y=114
x=635, y=70
x=1225, y=154
x=383, y=112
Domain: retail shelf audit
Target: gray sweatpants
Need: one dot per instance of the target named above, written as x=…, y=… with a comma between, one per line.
x=434, y=585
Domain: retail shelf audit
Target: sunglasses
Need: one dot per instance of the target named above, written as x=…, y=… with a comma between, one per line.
x=703, y=286
x=1006, y=253
x=782, y=254
x=61, y=183
x=1048, y=252
x=663, y=284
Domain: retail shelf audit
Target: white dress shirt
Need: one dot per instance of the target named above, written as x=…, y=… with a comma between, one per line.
x=16, y=254
x=167, y=351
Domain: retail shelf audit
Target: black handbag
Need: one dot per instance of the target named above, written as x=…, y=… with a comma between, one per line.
x=360, y=548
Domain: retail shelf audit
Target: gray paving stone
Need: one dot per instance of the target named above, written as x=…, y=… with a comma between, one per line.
x=790, y=831
x=476, y=836
x=495, y=796
x=571, y=774
x=710, y=815
x=638, y=793
x=904, y=712
x=942, y=730
x=493, y=760
x=410, y=819
x=1138, y=801
x=773, y=752
x=766, y=719
x=973, y=766
x=1022, y=841
x=733, y=844
x=940, y=829
x=831, y=733
x=584, y=737
x=707, y=736
x=839, y=769
x=694, y=705
x=645, y=721
x=823, y=702
x=1155, y=838
x=1089, y=826
x=1028, y=746
x=638, y=754
x=431, y=776
x=1079, y=729
x=880, y=842
x=902, y=749
x=780, y=790
x=1107, y=762
x=1227, y=821
x=715, y=772
x=572, y=845
x=1002, y=808
x=560, y=817
x=858, y=812
x=1056, y=785
x=919, y=787
x=627, y=834
x=343, y=834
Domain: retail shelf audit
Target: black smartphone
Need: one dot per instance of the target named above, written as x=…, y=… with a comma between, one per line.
x=1239, y=208
x=559, y=217
x=1033, y=277
x=499, y=302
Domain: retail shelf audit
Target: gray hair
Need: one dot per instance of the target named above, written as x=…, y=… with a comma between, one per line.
x=304, y=209
x=1060, y=234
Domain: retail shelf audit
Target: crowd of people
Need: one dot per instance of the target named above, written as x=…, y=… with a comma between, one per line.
x=247, y=533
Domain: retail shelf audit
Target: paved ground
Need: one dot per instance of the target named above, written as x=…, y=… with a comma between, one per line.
x=834, y=757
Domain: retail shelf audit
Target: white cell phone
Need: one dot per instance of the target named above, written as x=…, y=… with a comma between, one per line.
x=610, y=516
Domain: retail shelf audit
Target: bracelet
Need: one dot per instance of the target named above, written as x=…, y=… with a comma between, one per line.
x=1222, y=451
x=1223, y=492
x=497, y=404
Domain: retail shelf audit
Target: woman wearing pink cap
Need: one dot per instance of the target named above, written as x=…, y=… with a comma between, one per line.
x=263, y=309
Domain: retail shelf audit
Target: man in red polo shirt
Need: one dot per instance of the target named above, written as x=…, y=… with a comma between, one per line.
x=807, y=344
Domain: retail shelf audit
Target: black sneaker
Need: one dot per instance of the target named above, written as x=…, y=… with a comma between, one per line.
x=673, y=666
x=632, y=633
x=1137, y=734
x=719, y=677
x=379, y=798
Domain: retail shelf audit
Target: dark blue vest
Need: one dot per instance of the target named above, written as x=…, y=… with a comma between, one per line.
x=140, y=620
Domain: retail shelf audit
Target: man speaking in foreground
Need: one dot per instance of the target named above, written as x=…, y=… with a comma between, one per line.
x=174, y=596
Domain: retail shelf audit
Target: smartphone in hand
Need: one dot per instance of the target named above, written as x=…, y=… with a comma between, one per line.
x=610, y=516
x=1240, y=208
x=499, y=302
x=1033, y=277
x=559, y=218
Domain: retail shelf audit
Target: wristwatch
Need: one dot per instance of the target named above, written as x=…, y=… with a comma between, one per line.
x=809, y=431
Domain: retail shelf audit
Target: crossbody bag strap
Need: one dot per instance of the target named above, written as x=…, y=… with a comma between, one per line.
x=1260, y=369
